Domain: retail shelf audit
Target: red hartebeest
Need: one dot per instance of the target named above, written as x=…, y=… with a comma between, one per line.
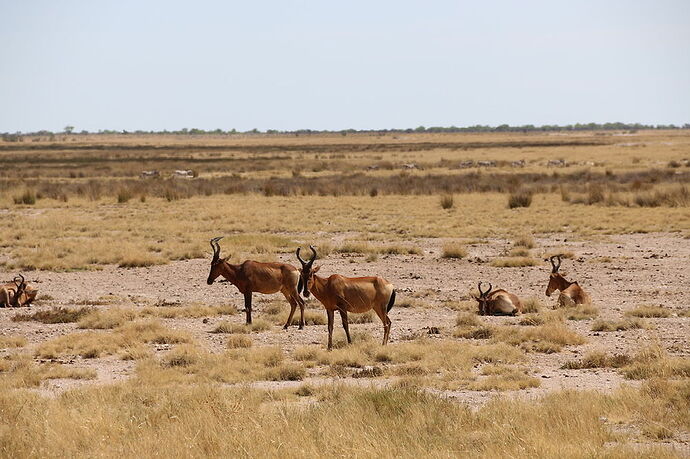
x=253, y=276
x=18, y=293
x=498, y=302
x=349, y=294
x=571, y=292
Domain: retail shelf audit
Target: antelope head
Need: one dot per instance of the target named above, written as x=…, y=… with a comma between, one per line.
x=216, y=262
x=483, y=299
x=556, y=280
x=307, y=270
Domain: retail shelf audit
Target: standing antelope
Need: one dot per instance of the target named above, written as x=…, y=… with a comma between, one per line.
x=253, y=276
x=498, y=302
x=571, y=292
x=18, y=293
x=348, y=294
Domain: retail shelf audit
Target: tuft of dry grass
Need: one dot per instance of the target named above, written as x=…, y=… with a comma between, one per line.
x=454, y=250
x=547, y=338
x=238, y=342
x=257, y=325
x=526, y=241
x=7, y=342
x=649, y=311
x=93, y=344
x=513, y=262
x=581, y=312
x=447, y=201
x=598, y=359
x=532, y=305
x=20, y=371
x=55, y=315
x=519, y=199
x=617, y=325
x=654, y=362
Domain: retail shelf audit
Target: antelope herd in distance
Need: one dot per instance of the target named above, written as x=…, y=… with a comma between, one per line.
x=335, y=293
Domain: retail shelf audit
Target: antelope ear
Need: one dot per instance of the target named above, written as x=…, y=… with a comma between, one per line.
x=315, y=270
x=227, y=258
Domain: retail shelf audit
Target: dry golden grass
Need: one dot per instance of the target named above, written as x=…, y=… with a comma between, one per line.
x=525, y=241
x=20, y=371
x=10, y=341
x=617, y=325
x=581, y=312
x=654, y=362
x=138, y=418
x=599, y=359
x=93, y=233
x=649, y=311
x=454, y=250
x=55, y=315
x=257, y=325
x=514, y=262
x=93, y=344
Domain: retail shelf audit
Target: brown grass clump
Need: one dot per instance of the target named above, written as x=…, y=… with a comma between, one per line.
x=257, y=325
x=547, y=338
x=454, y=250
x=617, y=325
x=598, y=359
x=504, y=378
x=20, y=371
x=239, y=342
x=519, y=199
x=581, y=312
x=93, y=344
x=654, y=362
x=467, y=319
x=103, y=319
x=526, y=241
x=531, y=305
x=363, y=318
x=55, y=315
x=7, y=342
x=518, y=252
x=649, y=311
x=446, y=201
x=513, y=262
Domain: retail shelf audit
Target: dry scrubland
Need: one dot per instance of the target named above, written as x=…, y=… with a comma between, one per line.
x=126, y=340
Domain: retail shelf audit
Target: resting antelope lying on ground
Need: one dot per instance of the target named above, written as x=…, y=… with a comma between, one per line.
x=18, y=293
x=349, y=294
x=253, y=276
x=498, y=302
x=571, y=292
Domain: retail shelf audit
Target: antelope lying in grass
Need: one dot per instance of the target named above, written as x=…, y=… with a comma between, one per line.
x=348, y=294
x=571, y=292
x=18, y=293
x=253, y=276
x=498, y=302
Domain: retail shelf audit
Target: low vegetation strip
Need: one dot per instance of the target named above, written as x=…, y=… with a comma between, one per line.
x=209, y=420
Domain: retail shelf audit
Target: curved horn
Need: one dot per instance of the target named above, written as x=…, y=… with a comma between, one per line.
x=490, y=288
x=555, y=267
x=216, y=247
x=479, y=287
x=314, y=255
x=300, y=258
x=21, y=280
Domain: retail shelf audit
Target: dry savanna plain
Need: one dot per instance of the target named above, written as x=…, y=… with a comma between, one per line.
x=128, y=352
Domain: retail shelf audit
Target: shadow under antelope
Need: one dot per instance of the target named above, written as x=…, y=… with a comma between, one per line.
x=253, y=276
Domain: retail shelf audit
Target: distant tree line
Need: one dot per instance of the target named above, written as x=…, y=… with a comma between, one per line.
x=17, y=136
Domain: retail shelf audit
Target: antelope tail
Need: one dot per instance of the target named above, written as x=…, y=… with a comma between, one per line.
x=391, y=302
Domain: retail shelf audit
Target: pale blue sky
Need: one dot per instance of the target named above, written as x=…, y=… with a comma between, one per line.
x=337, y=65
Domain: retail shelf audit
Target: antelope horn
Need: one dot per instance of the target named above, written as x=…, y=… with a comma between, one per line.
x=21, y=280
x=313, y=256
x=300, y=258
x=216, y=247
x=479, y=287
x=554, y=268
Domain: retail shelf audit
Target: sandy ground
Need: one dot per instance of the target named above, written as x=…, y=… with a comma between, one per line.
x=643, y=269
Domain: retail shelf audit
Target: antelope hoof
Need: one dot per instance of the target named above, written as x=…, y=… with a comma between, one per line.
x=301, y=327
x=285, y=327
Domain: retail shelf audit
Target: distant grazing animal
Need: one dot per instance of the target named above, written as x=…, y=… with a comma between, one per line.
x=18, y=293
x=183, y=174
x=253, y=276
x=150, y=174
x=349, y=294
x=571, y=292
x=498, y=302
